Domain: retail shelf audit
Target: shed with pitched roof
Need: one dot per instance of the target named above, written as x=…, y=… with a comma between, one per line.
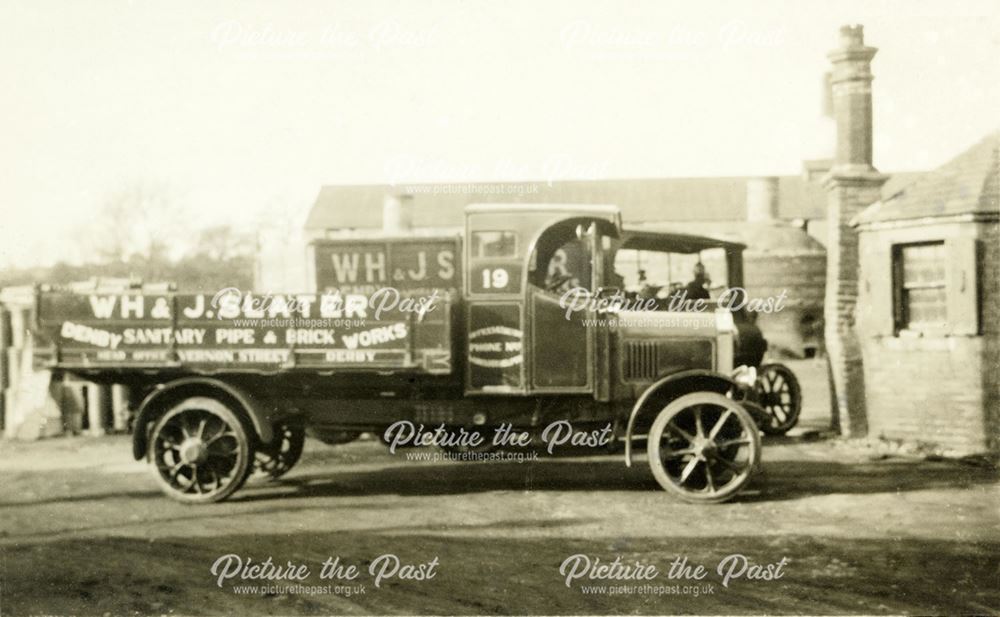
x=929, y=305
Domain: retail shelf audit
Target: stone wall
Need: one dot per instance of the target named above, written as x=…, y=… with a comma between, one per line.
x=990, y=288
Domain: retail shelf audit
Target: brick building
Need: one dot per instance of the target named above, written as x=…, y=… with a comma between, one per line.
x=912, y=302
x=929, y=306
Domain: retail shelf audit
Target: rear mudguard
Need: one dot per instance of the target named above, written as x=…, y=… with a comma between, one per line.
x=167, y=394
x=658, y=394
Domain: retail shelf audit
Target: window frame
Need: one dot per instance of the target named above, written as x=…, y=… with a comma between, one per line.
x=902, y=324
x=478, y=255
x=722, y=259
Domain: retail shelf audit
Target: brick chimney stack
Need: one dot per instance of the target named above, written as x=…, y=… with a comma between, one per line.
x=852, y=184
x=851, y=81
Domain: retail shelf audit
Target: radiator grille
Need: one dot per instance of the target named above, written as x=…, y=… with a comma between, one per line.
x=640, y=360
x=645, y=360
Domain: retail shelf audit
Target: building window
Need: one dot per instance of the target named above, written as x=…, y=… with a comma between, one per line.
x=919, y=286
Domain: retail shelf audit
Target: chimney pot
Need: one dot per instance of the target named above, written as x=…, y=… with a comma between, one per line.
x=852, y=36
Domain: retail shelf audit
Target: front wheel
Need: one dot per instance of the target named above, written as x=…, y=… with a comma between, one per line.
x=201, y=451
x=703, y=447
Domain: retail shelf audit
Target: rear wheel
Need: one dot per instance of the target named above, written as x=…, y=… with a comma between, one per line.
x=778, y=393
x=703, y=447
x=200, y=451
x=277, y=458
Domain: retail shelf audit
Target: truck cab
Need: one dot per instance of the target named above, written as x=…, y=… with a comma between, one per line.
x=640, y=329
x=565, y=300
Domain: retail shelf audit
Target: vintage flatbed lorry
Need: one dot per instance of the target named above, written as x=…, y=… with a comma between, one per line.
x=532, y=314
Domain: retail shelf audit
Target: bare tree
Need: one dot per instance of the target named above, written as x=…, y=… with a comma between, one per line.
x=224, y=243
x=140, y=220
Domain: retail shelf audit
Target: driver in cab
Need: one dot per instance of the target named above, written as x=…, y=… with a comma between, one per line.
x=697, y=289
x=687, y=298
x=558, y=277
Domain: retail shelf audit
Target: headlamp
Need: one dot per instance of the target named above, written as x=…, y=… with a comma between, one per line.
x=745, y=376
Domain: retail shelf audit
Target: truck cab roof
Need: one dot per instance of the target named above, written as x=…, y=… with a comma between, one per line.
x=678, y=242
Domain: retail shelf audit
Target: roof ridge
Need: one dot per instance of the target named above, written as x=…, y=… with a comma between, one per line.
x=969, y=182
x=989, y=142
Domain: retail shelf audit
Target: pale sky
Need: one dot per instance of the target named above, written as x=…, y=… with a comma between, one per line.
x=242, y=106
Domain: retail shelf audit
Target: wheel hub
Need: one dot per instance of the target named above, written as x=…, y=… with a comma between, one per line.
x=193, y=451
x=705, y=448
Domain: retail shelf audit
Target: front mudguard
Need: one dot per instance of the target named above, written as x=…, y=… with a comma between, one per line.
x=661, y=392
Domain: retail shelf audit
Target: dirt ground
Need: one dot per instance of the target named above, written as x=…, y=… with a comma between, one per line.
x=85, y=531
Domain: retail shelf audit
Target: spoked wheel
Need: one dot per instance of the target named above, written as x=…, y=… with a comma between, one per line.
x=703, y=447
x=277, y=458
x=778, y=393
x=201, y=451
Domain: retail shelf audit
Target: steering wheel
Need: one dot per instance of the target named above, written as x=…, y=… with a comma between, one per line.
x=558, y=281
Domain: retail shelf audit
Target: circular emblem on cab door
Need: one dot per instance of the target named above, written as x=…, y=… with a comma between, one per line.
x=495, y=347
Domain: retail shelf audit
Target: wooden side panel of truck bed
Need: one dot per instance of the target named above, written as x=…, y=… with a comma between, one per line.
x=240, y=332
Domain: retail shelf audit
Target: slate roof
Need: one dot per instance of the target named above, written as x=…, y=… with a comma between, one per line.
x=641, y=200
x=967, y=184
